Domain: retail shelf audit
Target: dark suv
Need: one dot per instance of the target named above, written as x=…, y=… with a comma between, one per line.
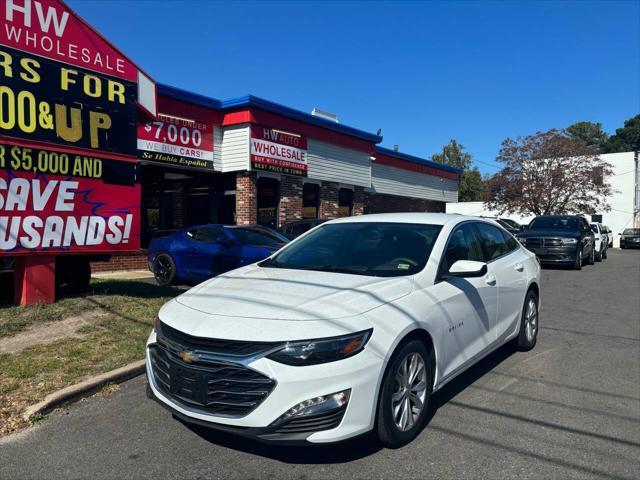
x=560, y=239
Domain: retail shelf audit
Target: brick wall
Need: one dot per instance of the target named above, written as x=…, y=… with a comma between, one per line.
x=290, y=208
x=376, y=203
x=133, y=261
x=329, y=200
x=358, y=201
x=246, y=198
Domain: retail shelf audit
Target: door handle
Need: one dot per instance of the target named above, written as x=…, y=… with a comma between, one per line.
x=490, y=279
x=519, y=267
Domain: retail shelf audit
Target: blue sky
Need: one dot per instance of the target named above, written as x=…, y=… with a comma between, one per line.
x=427, y=72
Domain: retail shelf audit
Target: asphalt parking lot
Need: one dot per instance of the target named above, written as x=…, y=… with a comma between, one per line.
x=568, y=409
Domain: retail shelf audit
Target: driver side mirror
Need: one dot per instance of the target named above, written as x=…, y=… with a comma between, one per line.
x=467, y=268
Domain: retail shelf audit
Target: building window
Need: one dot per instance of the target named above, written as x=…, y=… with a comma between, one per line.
x=310, y=200
x=345, y=202
x=268, y=201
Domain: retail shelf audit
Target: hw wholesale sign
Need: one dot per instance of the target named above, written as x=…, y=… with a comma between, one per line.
x=46, y=213
x=278, y=151
x=50, y=29
x=43, y=100
x=177, y=141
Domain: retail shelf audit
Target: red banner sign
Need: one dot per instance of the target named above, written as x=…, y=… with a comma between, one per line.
x=50, y=29
x=46, y=212
x=278, y=151
x=176, y=140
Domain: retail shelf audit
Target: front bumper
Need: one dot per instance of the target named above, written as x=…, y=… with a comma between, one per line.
x=556, y=255
x=629, y=244
x=359, y=374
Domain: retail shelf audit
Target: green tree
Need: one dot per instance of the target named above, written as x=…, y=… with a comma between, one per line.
x=471, y=183
x=626, y=139
x=454, y=155
x=589, y=132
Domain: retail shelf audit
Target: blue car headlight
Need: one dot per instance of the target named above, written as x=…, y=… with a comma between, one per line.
x=313, y=352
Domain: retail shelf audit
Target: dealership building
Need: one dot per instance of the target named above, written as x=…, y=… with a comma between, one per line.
x=251, y=161
x=97, y=158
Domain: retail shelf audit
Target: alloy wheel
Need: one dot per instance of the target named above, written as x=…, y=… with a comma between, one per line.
x=163, y=268
x=409, y=391
x=531, y=319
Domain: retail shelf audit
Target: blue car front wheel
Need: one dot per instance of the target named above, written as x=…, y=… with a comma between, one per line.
x=164, y=269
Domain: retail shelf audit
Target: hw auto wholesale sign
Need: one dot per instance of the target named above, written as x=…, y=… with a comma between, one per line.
x=176, y=141
x=278, y=151
x=68, y=107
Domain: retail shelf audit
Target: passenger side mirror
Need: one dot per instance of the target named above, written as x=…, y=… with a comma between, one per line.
x=467, y=268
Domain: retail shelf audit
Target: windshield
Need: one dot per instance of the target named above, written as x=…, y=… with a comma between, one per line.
x=554, y=223
x=361, y=248
x=631, y=231
x=257, y=236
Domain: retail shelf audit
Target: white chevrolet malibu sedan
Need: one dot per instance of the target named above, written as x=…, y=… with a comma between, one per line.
x=348, y=329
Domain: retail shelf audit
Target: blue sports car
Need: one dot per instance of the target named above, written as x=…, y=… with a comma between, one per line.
x=196, y=253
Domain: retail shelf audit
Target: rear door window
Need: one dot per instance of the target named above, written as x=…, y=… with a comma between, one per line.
x=492, y=240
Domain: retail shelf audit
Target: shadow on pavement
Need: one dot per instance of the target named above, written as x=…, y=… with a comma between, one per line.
x=356, y=448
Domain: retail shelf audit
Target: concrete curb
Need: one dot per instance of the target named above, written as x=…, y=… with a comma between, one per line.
x=86, y=388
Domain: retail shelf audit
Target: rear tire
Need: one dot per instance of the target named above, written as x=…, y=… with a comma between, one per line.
x=404, y=395
x=164, y=269
x=604, y=253
x=528, y=335
x=592, y=256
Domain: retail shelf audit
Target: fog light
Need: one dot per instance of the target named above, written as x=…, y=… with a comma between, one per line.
x=318, y=405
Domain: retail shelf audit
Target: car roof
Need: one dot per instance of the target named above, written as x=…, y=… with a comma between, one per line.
x=412, y=217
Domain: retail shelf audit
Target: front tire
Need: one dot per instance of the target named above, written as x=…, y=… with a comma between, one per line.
x=164, y=269
x=577, y=265
x=604, y=253
x=528, y=335
x=600, y=255
x=592, y=256
x=404, y=395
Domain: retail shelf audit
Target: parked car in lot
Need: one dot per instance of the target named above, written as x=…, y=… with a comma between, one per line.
x=295, y=229
x=509, y=225
x=630, y=238
x=560, y=239
x=346, y=330
x=196, y=253
x=601, y=241
x=609, y=236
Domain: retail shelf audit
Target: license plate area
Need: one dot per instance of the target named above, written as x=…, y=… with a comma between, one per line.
x=189, y=384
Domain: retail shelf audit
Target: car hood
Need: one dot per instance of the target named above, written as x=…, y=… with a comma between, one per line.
x=548, y=233
x=283, y=294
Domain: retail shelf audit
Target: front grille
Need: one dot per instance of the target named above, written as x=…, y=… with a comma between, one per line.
x=547, y=242
x=534, y=242
x=219, y=388
x=313, y=423
x=213, y=345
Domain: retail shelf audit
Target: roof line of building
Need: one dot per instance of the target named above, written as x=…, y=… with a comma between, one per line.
x=418, y=160
x=249, y=101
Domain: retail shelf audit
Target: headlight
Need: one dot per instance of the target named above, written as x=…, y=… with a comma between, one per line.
x=312, y=352
x=569, y=241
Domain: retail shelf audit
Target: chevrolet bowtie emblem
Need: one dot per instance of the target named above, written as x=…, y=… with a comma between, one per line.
x=189, y=356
